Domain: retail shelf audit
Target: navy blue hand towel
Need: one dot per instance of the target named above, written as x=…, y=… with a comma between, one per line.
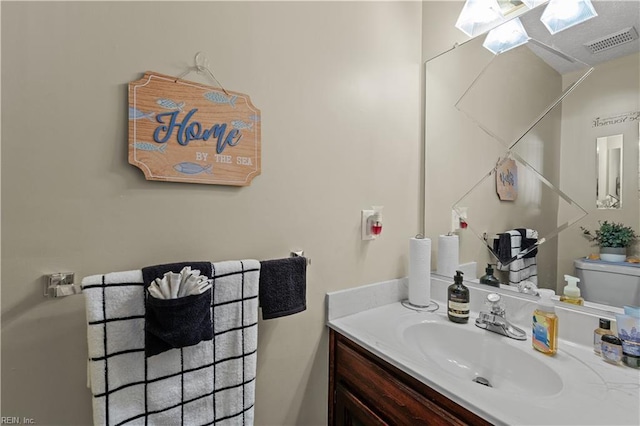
x=283, y=287
x=502, y=248
x=176, y=323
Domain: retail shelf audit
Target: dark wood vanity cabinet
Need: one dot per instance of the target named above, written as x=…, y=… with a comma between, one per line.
x=366, y=390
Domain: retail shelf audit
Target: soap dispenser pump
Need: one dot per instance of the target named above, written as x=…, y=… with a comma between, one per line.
x=571, y=291
x=544, y=333
x=458, y=300
x=489, y=279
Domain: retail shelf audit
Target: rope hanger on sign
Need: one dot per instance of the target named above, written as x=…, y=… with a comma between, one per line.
x=201, y=64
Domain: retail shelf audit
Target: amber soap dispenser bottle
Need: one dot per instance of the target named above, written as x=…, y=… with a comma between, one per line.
x=458, y=300
x=544, y=333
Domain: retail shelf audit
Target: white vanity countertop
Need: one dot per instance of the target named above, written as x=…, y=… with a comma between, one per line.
x=589, y=392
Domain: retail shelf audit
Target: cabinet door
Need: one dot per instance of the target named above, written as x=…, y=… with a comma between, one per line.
x=383, y=394
x=350, y=411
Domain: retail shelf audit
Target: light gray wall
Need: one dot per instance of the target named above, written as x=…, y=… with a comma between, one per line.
x=337, y=84
x=439, y=33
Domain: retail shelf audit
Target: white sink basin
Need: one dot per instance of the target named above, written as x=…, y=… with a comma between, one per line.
x=574, y=387
x=467, y=355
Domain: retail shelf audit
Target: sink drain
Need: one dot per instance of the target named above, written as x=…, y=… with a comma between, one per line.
x=482, y=381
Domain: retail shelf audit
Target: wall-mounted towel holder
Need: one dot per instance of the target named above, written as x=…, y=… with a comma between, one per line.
x=299, y=253
x=60, y=284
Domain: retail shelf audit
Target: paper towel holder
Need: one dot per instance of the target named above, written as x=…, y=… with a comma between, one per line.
x=431, y=307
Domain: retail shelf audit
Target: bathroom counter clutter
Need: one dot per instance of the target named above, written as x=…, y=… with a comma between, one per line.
x=501, y=380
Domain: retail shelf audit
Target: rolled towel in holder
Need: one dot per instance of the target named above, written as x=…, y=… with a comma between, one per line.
x=187, y=282
x=180, y=321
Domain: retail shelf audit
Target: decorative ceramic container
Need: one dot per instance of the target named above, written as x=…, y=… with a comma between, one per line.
x=613, y=254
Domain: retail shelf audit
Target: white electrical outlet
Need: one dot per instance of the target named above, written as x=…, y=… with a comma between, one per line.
x=458, y=214
x=366, y=227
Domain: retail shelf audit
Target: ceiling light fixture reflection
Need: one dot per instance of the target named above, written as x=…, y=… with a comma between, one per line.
x=507, y=36
x=478, y=16
x=562, y=14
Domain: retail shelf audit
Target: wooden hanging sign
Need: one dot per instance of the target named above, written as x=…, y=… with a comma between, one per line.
x=507, y=180
x=182, y=131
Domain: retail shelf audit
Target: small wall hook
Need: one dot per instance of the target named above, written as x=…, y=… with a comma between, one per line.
x=200, y=66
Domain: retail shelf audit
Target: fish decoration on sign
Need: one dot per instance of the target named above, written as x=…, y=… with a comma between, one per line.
x=147, y=146
x=189, y=168
x=136, y=114
x=169, y=104
x=219, y=98
x=239, y=124
x=183, y=131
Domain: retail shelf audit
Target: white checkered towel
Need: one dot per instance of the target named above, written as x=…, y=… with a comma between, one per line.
x=521, y=269
x=211, y=383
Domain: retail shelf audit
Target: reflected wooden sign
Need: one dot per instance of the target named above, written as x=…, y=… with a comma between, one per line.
x=507, y=180
x=182, y=131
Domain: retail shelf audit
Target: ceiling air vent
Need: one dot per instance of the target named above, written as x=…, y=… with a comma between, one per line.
x=612, y=40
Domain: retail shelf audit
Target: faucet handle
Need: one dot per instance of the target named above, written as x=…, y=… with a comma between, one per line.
x=528, y=287
x=495, y=304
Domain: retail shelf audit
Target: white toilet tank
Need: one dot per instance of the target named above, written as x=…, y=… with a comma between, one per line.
x=608, y=283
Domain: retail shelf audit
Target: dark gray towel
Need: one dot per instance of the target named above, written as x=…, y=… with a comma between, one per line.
x=176, y=323
x=527, y=243
x=502, y=248
x=283, y=287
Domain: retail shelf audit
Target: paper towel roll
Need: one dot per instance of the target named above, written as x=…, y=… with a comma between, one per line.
x=420, y=271
x=448, y=255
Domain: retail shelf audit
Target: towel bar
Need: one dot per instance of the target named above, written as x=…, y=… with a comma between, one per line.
x=61, y=284
x=299, y=253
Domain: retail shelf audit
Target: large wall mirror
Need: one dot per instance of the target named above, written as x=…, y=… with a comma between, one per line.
x=513, y=140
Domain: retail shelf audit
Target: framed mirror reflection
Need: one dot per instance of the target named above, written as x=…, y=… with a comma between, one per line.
x=541, y=104
x=609, y=171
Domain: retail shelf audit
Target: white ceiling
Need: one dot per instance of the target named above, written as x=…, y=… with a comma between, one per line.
x=613, y=16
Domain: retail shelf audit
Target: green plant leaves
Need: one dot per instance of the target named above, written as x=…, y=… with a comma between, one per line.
x=611, y=234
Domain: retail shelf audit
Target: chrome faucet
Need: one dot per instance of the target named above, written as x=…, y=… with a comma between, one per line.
x=495, y=320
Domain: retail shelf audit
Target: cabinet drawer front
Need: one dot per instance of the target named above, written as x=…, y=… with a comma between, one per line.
x=350, y=411
x=391, y=397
